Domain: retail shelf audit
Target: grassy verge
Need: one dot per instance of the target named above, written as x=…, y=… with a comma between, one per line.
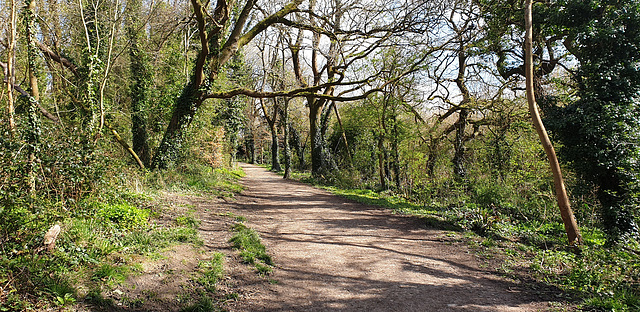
x=199, y=180
x=105, y=237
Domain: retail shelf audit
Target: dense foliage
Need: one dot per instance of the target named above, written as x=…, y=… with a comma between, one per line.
x=600, y=126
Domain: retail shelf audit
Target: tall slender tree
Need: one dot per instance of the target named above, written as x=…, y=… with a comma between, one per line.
x=570, y=224
x=9, y=76
x=33, y=126
x=141, y=77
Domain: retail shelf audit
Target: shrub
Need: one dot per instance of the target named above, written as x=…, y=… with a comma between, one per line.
x=123, y=215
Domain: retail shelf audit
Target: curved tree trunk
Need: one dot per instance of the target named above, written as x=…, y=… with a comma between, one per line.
x=184, y=110
x=570, y=224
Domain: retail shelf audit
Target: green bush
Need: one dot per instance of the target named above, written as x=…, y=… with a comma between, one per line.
x=123, y=215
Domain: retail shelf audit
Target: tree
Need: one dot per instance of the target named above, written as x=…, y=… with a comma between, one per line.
x=220, y=38
x=272, y=78
x=395, y=107
x=570, y=224
x=8, y=67
x=141, y=79
x=341, y=40
x=33, y=127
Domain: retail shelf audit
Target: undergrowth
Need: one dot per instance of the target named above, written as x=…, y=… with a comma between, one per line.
x=103, y=236
x=197, y=179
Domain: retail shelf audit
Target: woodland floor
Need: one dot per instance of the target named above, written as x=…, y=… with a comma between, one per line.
x=330, y=254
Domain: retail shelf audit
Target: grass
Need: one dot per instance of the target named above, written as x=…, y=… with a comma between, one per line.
x=232, y=215
x=204, y=304
x=103, y=238
x=211, y=272
x=110, y=273
x=197, y=179
x=188, y=221
x=252, y=251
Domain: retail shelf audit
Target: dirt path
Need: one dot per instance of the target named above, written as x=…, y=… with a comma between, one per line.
x=332, y=254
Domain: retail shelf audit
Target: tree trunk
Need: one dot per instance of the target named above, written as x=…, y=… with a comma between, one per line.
x=251, y=147
x=124, y=145
x=344, y=136
x=287, y=149
x=381, y=173
x=92, y=57
x=298, y=146
x=458, y=158
x=430, y=165
x=570, y=224
x=9, y=76
x=141, y=78
x=460, y=125
x=184, y=111
x=216, y=50
x=396, y=153
x=316, y=144
x=33, y=130
x=275, y=148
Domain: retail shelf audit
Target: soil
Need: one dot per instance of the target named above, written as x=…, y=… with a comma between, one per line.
x=330, y=254
x=333, y=254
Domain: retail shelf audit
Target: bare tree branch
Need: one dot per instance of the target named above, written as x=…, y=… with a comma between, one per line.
x=57, y=58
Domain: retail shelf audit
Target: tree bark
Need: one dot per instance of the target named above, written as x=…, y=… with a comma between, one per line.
x=396, y=152
x=298, y=145
x=251, y=147
x=287, y=148
x=126, y=146
x=33, y=130
x=275, y=148
x=570, y=224
x=344, y=135
x=316, y=139
x=460, y=125
x=458, y=158
x=140, y=79
x=381, y=171
x=273, y=128
x=9, y=69
x=184, y=110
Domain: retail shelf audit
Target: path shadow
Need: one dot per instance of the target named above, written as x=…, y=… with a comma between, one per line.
x=372, y=230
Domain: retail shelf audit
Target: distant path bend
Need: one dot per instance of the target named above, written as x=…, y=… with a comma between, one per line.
x=332, y=254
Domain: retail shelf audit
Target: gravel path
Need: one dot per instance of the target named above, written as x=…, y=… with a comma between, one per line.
x=332, y=254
